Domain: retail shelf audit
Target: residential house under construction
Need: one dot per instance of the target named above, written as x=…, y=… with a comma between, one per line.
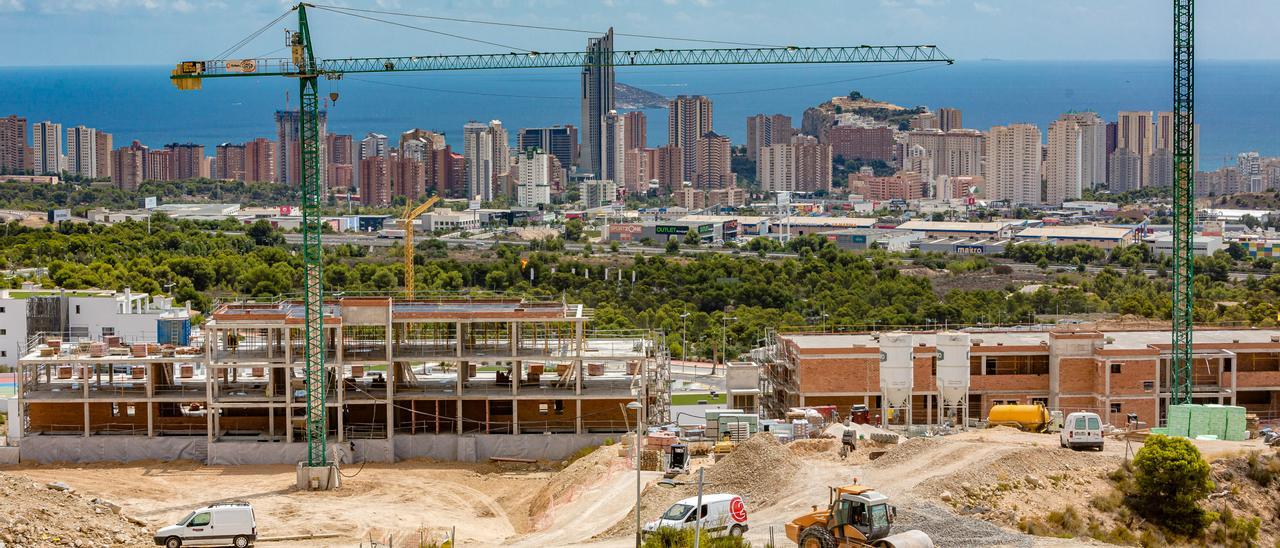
x=462, y=379
x=1113, y=372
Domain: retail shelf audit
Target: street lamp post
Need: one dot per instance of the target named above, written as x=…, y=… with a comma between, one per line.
x=684, y=339
x=635, y=405
x=724, y=341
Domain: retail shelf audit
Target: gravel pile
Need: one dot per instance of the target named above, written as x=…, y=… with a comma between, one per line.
x=55, y=515
x=948, y=530
x=1025, y=465
x=760, y=469
x=905, y=452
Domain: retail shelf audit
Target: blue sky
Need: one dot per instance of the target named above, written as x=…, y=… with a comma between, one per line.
x=98, y=32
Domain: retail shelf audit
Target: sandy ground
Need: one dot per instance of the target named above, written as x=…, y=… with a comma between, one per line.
x=494, y=505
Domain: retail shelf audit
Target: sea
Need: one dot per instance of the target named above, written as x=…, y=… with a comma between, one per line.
x=1236, y=102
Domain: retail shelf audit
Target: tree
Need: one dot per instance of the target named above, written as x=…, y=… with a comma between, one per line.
x=691, y=238
x=673, y=246
x=573, y=230
x=1169, y=479
x=264, y=234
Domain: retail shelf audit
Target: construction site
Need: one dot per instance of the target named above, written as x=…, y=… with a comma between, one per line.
x=448, y=379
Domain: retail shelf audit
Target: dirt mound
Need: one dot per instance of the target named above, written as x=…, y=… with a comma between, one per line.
x=760, y=470
x=37, y=515
x=1242, y=491
x=573, y=480
x=905, y=452
x=810, y=447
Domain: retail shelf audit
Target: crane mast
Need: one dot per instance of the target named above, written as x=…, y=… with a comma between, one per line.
x=1183, y=198
x=303, y=65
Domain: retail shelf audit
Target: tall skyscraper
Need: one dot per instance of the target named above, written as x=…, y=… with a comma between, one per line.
x=559, y=141
x=46, y=144
x=501, y=148
x=1013, y=164
x=534, y=174
x=1135, y=133
x=375, y=181
x=260, y=161
x=862, y=143
x=597, y=102
x=688, y=119
x=670, y=173
x=775, y=167
x=408, y=177
x=1064, y=177
x=711, y=162
x=1164, y=141
x=637, y=130
x=82, y=157
x=803, y=165
x=228, y=162
x=640, y=165
x=1093, y=147
x=374, y=144
x=949, y=119
x=1249, y=170
x=129, y=165
x=956, y=153
x=477, y=148
x=186, y=161
x=102, y=143
x=764, y=130
x=288, y=149
x=15, y=153
x=615, y=126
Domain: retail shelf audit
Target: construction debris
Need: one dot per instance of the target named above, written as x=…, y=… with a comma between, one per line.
x=54, y=515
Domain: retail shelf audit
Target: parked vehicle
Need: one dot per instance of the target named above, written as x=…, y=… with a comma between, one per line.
x=721, y=513
x=221, y=524
x=1081, y=429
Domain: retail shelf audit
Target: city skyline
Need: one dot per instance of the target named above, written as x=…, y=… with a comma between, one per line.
x=1117, y=31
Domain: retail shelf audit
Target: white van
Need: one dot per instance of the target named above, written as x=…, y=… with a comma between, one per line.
x=721, y=513
x=1081, y=429
x=221, y=524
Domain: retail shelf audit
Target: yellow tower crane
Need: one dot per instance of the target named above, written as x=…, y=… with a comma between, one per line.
x=406, y=222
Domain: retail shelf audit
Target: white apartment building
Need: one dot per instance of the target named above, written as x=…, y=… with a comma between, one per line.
x=1064, y=171
x=46, y=148
x=82, y=151
x=80, y=314
x=1013, y=164
x=534, y=176
x=775, y=167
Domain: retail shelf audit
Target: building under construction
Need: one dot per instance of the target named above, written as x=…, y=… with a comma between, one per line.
x=1114, y=372
x=450, y=379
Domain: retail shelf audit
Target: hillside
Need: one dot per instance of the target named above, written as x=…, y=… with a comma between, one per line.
x=631, y=97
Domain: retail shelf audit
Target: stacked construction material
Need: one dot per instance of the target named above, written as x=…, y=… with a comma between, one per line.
x=97, y=350
x=1224, y=422
x=138, y=350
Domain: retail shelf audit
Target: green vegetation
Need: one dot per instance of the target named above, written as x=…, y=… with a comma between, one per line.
x=667, y=537
x=1169, y=480
x=853, y=290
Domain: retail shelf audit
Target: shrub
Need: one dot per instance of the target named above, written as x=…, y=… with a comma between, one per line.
x=1228, y=530
x=1169, y=479
x=1263, y=470
x=668, y=537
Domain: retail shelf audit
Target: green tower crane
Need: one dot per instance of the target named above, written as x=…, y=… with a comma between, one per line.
x=308, y=70
x=1183, y=197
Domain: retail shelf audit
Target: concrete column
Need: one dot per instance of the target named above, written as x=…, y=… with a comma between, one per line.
x=579, y=339
x=1106, y=403
x=86, y=419
x=457, y=425
x=1234, y=368
x=577, y=416
x=515, y=339
x=392, y=373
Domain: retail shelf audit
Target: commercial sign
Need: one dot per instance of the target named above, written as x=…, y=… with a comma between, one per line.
x=626, y=229
x=670, y=229
x=704, y=229
x=59, y=215
x=241, y=65
x=149, y=202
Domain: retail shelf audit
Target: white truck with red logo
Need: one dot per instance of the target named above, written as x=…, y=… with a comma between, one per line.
x=721, y=514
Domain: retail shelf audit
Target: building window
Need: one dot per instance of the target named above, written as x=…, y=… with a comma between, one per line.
x=77, y=309
x=108, y=331
x=1227, y=363
x=4, y=331
x=1115, y=368
x=1040, y=401
x=1115, y=408
x=4, y=353
x=1148, y=385
x=1, y=310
